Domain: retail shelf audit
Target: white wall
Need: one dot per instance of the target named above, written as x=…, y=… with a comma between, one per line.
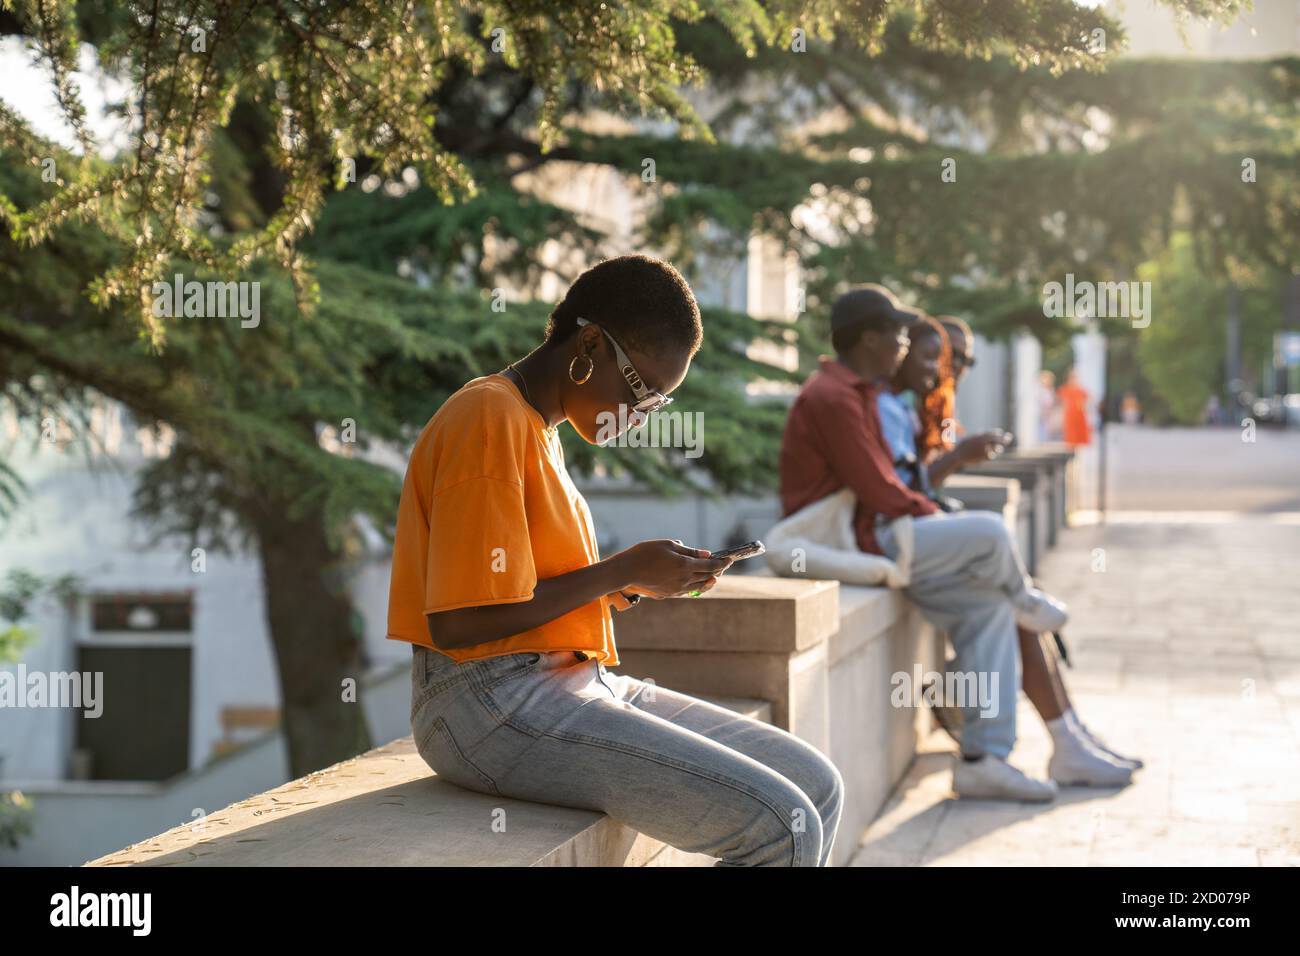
x=82, y=820
x=981, y=397
x=1090, y=363
x=75, y=520
x=1027, y=363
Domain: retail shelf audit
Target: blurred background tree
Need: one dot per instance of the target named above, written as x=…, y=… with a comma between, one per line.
x=17, y=591
x=1183, y=357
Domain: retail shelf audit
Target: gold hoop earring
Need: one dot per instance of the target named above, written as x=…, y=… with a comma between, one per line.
x=591, y=367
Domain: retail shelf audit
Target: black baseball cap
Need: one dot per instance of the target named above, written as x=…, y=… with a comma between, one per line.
x=872, y=306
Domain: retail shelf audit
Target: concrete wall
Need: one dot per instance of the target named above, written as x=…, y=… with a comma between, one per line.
x=76, y=821
x=982, y=399
x=1027, y=363
x=872, y=742
x=75, y=521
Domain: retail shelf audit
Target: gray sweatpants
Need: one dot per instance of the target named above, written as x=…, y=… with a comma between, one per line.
x=966, y=574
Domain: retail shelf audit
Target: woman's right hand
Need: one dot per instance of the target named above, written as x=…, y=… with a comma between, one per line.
x=982, y=447
x=667, y=568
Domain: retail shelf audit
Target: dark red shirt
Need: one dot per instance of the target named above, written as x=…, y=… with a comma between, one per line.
x=833, y=439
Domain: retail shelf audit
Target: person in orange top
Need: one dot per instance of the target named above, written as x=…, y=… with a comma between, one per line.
x=938, y=406
x=942, y=352
x=1074, y=411
x=498, y=585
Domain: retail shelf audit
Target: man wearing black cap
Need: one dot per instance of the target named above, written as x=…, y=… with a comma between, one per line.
x=965, y=575
x=842, y=444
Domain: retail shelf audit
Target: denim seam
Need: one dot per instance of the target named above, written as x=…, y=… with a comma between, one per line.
x=428, y=692
x=440, y=723
x=480, y=680
x=464, y=672
x=619, y=747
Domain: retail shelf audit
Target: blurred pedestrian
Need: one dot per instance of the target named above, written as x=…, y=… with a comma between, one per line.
x=1075, y=429
x=1049, y=425
x=1213, y=413
x=1130, y=410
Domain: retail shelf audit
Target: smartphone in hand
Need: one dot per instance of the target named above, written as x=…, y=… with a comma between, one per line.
x=751, y=549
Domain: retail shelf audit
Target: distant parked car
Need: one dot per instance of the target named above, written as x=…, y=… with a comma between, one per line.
x=1291, y=410
x=1269, y=410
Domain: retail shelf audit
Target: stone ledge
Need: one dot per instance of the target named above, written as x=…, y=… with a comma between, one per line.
x=985, y=493
x=753, y=637
x=741, y=613
x=866, y=614
x=387, y=808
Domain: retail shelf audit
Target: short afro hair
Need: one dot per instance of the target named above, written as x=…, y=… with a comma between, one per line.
x=926, y=326
x=952, y=323
x=643, y=302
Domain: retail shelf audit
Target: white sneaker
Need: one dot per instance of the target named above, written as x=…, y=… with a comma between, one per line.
x=992, y=778
x=1133, y=763
x=1076, y=763
x=1038, y=611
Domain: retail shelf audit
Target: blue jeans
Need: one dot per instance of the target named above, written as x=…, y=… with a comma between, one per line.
x=552, y=728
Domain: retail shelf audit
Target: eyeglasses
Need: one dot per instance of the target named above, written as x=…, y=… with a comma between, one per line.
x=647, y=399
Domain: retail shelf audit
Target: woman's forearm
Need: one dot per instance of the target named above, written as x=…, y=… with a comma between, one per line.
x=552, y=598
x=943, y=466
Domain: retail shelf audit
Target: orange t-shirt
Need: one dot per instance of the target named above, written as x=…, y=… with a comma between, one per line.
x=487, y=511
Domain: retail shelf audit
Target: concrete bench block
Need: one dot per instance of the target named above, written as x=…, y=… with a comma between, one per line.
x=752, y=637
x=742, y=613
x=1059, y=460
x=795, y=685
x=986, y=493
x=1036, y=498
x=873, y=742
x=387, y=808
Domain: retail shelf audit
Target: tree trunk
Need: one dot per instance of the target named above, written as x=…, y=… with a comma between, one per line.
x=310, y=618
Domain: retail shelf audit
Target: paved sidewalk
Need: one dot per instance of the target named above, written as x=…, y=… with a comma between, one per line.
x=1187, y=654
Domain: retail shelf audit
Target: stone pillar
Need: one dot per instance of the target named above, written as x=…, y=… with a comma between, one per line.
x=749, y=637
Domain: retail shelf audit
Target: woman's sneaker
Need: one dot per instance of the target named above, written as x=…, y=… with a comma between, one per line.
x=1133, y=763
x=992, y=778
x=1038, y=611
x=1076, y=763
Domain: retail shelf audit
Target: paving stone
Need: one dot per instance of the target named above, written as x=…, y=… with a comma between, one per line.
x=1176, y=661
